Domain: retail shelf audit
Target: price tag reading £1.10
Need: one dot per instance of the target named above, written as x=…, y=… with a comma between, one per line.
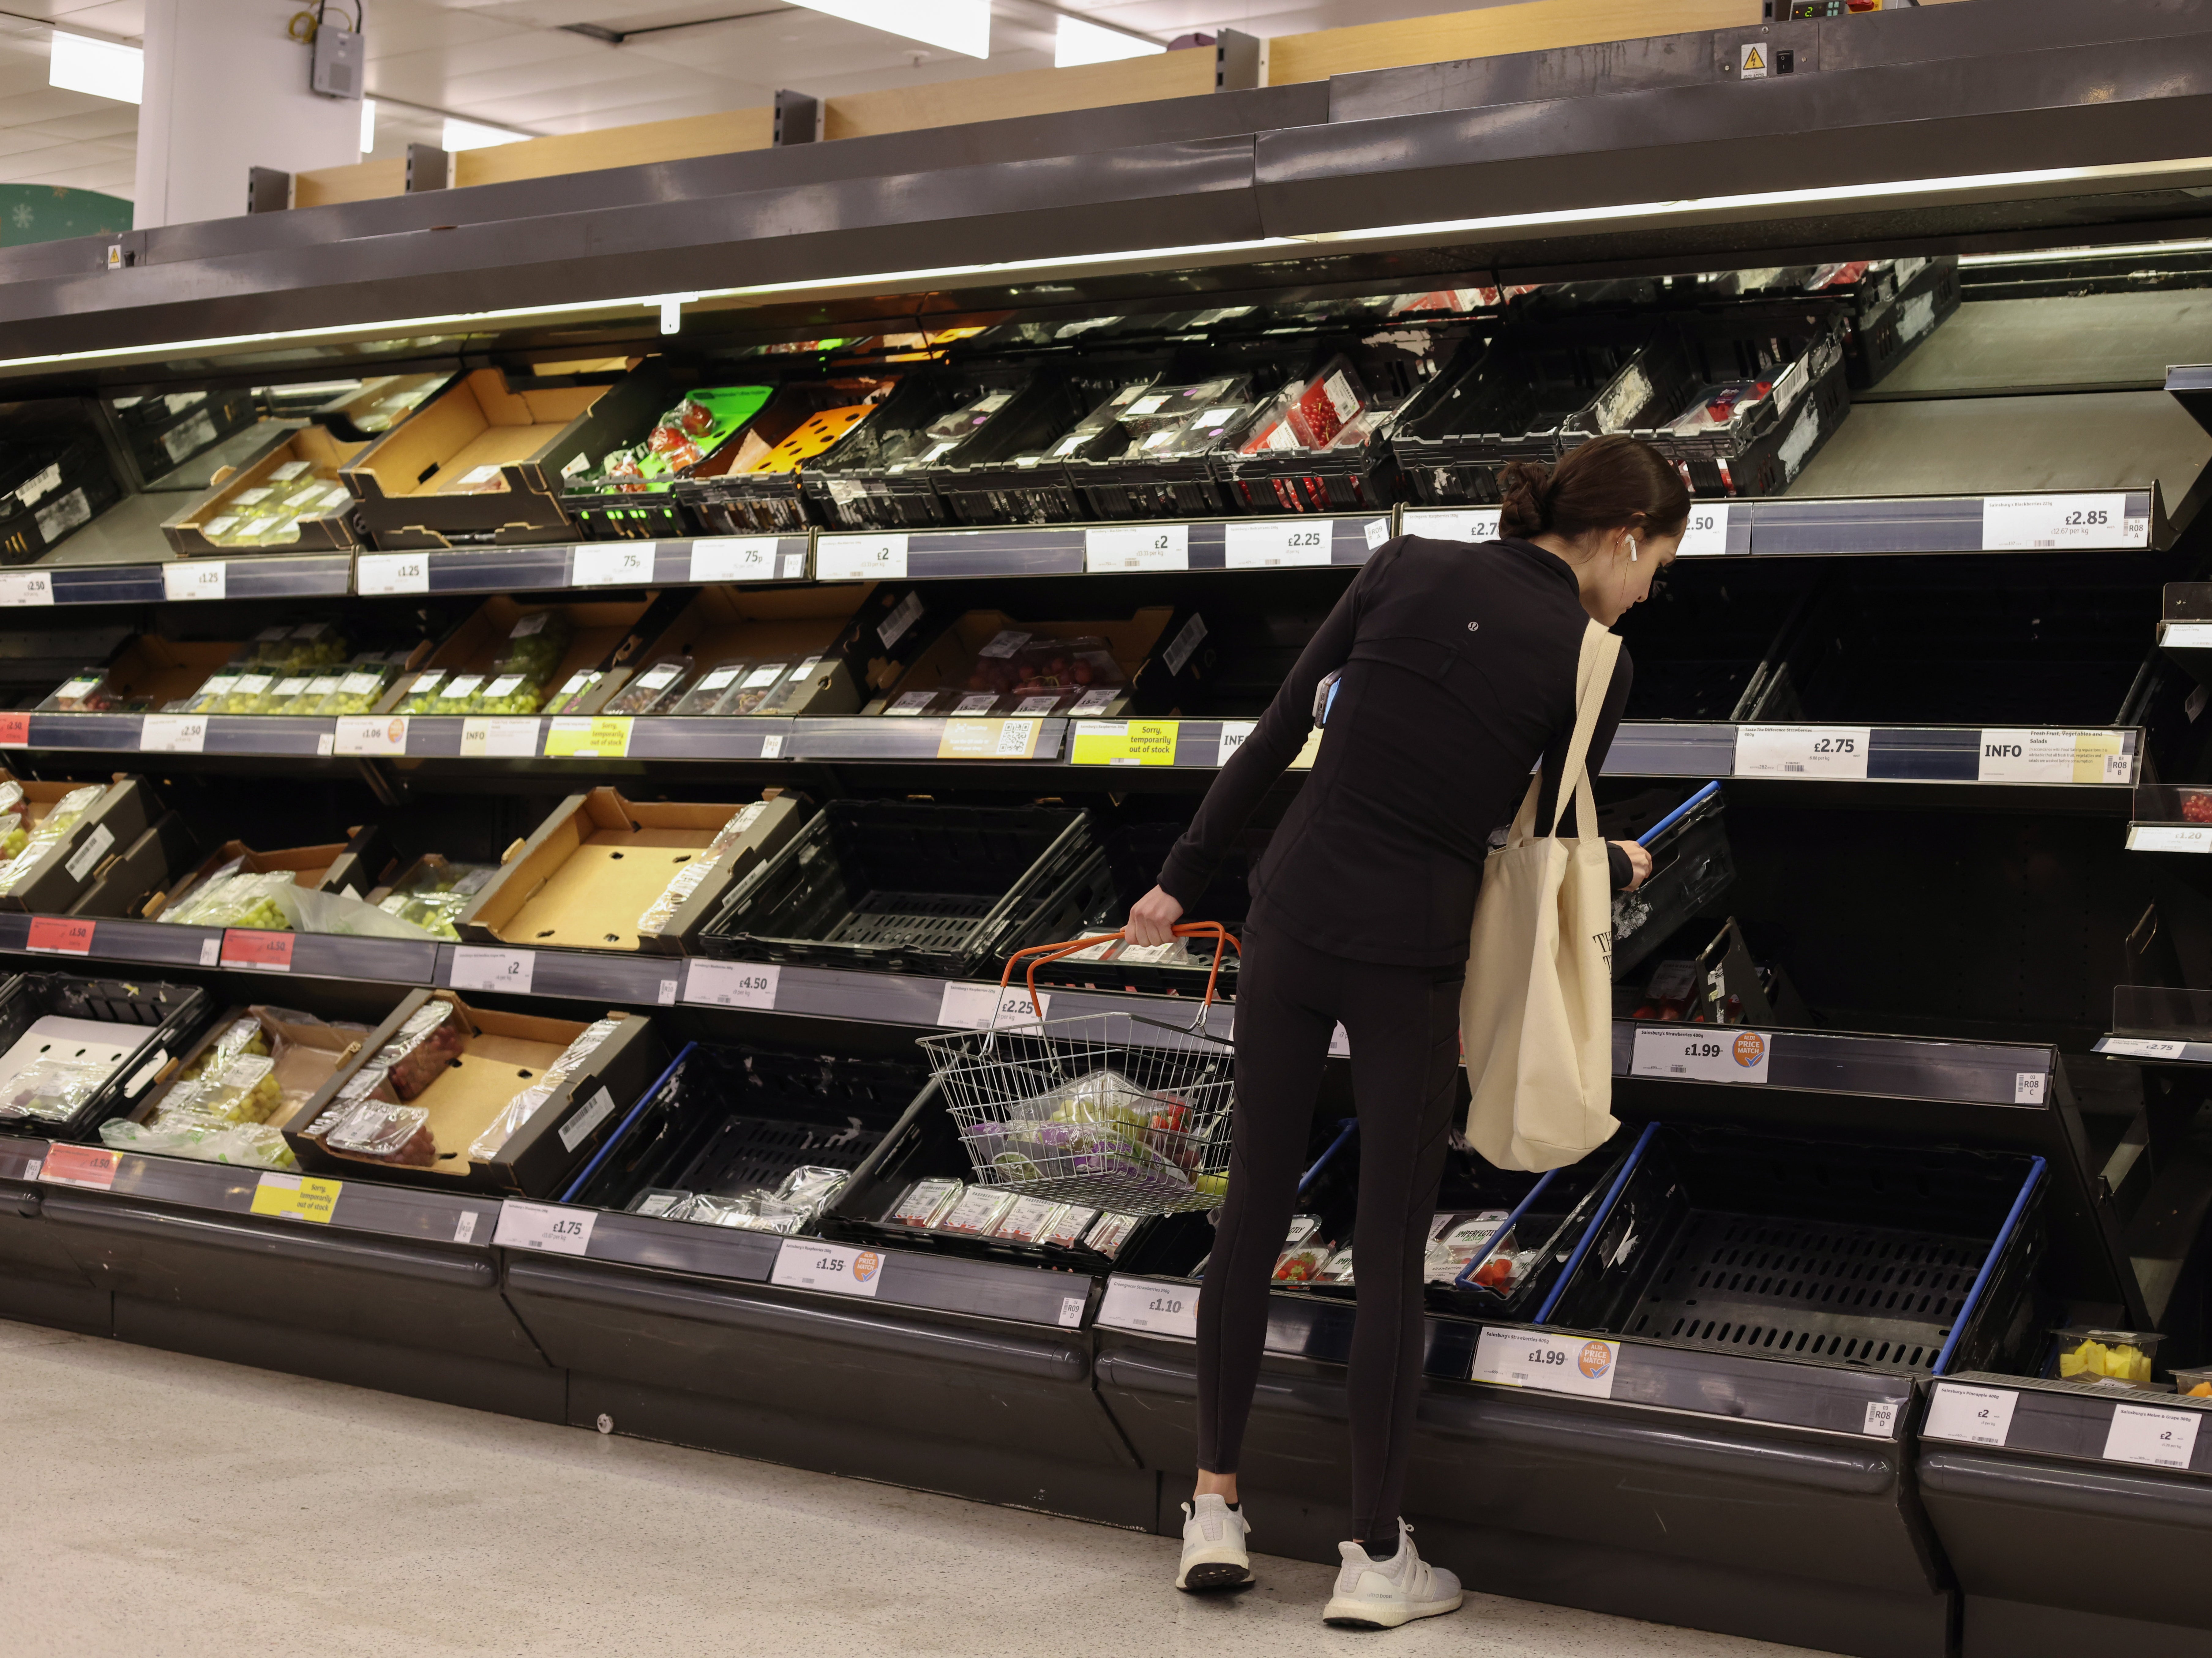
x=1704, y=1053
x=1835, y=752
x=548, y=1226
x=805, y=1264
x=1157, y=1309
x=731, y=984
x=1552, y=1364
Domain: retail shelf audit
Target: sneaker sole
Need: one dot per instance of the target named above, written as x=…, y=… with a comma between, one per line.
x=1212, y=1576
x=1369, y=1615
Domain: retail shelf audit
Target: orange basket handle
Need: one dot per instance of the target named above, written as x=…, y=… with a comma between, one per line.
x=1042, y=953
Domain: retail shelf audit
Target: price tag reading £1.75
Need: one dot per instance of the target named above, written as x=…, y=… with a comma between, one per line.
x=1553, y=1364
x=551, y=1227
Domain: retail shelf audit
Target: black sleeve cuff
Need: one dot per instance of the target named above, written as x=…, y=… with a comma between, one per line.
x=1616, y=862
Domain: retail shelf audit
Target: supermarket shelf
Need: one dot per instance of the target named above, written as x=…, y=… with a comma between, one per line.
x=585, y=564
x=2058, y=1419
x=1254, y=544
x=264, y=575
x=1826, y=1062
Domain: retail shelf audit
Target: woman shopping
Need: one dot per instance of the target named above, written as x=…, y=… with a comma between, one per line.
x=1457, y=669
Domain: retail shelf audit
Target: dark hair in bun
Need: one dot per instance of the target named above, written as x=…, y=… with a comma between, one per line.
x=1607, y=484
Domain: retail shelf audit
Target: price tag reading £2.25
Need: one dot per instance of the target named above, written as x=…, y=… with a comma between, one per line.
x=1832, y=752
x=974, y=1007
x=1702, y=1052
x=1553, y=1364
x=551, y=1227
x=1147, y=1305
x=807, y=1264
x=1271, y=544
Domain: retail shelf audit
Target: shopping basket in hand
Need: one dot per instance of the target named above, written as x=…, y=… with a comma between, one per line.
x=1116, y=1111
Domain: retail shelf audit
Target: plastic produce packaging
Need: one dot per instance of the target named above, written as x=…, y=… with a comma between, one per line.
x=244, y=1090
x=84, y=692
x=812, y=1188
x=50, y=1090
x=524, y=1106
x=429, y=1041
x=574, y=690
x=1455, y=1240
x=1017, y=672
x=14, y=819
x=535, y=645
x=1108, y=1233
x=358, y=689
x=1301, y=1263
x=925, y=1201
x=234, y=896
x=395, y=1133
x=752, y=1213
x=679, y=440
x=186, y=1135
x=978, y=1213
x=66, y=813
x=688, y=879
x=433, y=895
x=271, y=511
x=657, y=689
x=1027, y=1221
x=1065, y=1229
x=758, y=688
x=2116, y=1356
x=1716, y=408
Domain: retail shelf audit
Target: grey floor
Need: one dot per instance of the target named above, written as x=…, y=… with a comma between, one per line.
x=163, y=1507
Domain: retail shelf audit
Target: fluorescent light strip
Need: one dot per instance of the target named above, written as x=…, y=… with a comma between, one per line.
x=961, y=25
x=1155, y=258
x=2118, y=251
x=103, y=69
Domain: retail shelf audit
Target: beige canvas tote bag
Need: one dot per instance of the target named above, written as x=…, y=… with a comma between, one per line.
x=1536, y=1015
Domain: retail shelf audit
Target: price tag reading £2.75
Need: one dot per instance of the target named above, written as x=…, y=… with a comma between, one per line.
x=549, y=1226
x=1835, y=752
x=1702, y=1052
x=1157, y=1309
x=807, y=1264
x=1553, y=1364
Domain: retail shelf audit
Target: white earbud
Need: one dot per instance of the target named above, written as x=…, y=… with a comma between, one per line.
x=1632, y=549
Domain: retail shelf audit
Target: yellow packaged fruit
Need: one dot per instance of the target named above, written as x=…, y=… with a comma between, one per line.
x=2120, y=1361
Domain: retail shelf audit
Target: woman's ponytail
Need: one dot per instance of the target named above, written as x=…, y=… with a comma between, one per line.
x=1524, y=489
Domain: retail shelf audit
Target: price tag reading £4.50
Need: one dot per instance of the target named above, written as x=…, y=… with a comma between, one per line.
x=549, y=1226
x=1835, y=752
x=1146, y=1304
x=1553, y=1364
x=730, y=984
x=806, y=1263
x=1704, y=1053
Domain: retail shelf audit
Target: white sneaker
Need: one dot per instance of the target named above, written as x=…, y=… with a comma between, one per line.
x=1374, y=1594
x=1213, y=1555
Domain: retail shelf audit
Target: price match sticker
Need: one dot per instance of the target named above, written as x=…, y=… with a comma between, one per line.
x=192, y=578
x=975, y=1007
x=733, y=558
x=2027, y=523
x=374, y=733
x=551, y=1227
x=858, y=558
x=391, y=573
x=2157, y=1439
x=1452, y=524
x=805, y=1264
x=1146, y=1304
x=1139, y=547
x=600, y=737
x=173, y=733
x=1267, y=546
x=1708, y=1053
x=731, y=984
x=2056, y=757
x=1708, y=534
x=1551, y=1365
x=81, y=1165
x=478, y=969
x=60, y=935
x=1832, y=752
x=297, y=1197
x=1125, y=742
x=988, y=739
x=611, y=564
x=1973, y=1416
x=267, y=952
x=26, y=588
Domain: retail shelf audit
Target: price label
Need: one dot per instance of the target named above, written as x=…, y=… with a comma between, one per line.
x=297, y=1197
x=2055, y=756
x=807, y=1264
x=988, y=739
x=1147, y=1305
x=2027, y=523
x=60, y=935
x=499, y=739
x=2185, y=635
x=2141, y=1047
x=25, y=587
x=476, y=968
x=2157, y=1439
x=371, y=733
x=81, y=1165
x=1340, y=1043
x=975, y=1007
x=1454, y=524
x=1707, y=536
x=2169, y=837
x=599, y=738
x=611, y=564
x=1835, y=752
x=1551, y=1365
x=1138, y=547
x=733, y=558
x=1125, y=742
x=1707, y=1053
x=14, y=730
x=173, y=733
x=1267, y=546
x=551, y=1227
x=1233, y=733
x=858, y=558
x=196, y=578
x=391, y=573
x=1973, y=1416
x=266, y=952
x=731, y=984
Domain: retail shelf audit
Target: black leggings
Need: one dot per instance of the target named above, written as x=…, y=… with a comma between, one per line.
x=1403, y=1023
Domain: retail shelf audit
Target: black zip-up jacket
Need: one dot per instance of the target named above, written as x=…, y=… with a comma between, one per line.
x=1459, y=674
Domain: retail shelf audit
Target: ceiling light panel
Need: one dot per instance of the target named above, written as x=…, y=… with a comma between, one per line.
x=99, y=67
x=962, y=26
x=1079, y=42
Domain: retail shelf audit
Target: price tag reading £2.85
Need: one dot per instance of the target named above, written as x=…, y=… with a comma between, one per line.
x=1553, y=1364
x=547, y=1226
x=1157, y=1309
x=1703, y=1053
x=806, y=1263
x=1836, y=752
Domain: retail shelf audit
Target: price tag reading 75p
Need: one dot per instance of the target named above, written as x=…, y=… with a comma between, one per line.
x=548, y=1226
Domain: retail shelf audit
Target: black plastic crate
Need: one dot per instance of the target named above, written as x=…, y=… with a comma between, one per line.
x=723, y=1121
x=855, y=488
x=157, y=1022
x=1890, y=311
x=164, y=432
x=910, y=887
x=1821, y=1253
x=50, y=488
x=771, y=503
x=1691, y=866
x=1130, y=866
x=980, y=482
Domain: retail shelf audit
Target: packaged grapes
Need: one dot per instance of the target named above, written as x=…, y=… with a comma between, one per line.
x=393, y=1134
x=432, y=893
x=248, y=691
x=15, y=819
x=430, y=1040
x=84, y=692
x=708, y=691
x=238, y=1039
x=66, y=813
x=358, y=689
x=535, y=645
x=185, y=1134
x=790, y=691
x=240, y=898
x=285, y=696
x=655, y=691
x=310, y=646
x=579, y=685
x=50, y=1090
x=510, y=692
x=751, y=693
x=244, y=1090
x=423, y=693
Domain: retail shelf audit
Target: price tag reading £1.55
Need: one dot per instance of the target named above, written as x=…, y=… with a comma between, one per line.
x=805, y=1264
x=1553, y=1364
x=548, y=1226
x=1836, y=752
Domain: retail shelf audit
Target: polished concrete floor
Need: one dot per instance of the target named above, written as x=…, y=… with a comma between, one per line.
x=163, y=1507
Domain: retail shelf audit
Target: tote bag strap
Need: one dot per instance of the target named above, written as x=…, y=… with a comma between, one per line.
x=1593, y=678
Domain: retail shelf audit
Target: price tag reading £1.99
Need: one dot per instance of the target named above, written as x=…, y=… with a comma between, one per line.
x=1836, y=752
x=1701, y=1052
x=1157, y=1309
x=548, y=1226
x=1554, y=1365
x=807, y=1264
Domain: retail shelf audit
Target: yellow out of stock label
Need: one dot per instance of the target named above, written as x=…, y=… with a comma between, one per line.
x=297, y=1197
x=599, y=738
x=1125, y=742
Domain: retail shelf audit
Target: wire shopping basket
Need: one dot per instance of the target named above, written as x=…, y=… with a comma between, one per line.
x=1116, y=1111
